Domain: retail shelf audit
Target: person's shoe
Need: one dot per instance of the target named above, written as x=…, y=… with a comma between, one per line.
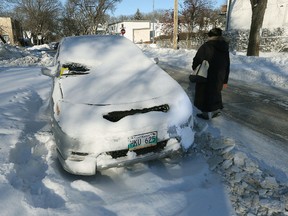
x=203, y=116
x=216, y=114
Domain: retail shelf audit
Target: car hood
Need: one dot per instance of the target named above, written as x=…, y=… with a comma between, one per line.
x=106, y=85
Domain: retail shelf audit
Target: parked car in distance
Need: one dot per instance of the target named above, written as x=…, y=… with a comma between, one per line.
x=54, y=45
x=112, y=106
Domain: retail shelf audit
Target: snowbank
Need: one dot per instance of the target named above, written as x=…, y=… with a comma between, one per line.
x=270, y=69
x=252, y=190
x=14, y=56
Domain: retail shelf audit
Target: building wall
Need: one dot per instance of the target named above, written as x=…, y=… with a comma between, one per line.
x=6, y=29
x=10, y=29
x=138, y=29
x=141, y=35
x=240, y=14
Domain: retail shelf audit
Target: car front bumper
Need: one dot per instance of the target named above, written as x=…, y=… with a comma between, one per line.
x=88, y=165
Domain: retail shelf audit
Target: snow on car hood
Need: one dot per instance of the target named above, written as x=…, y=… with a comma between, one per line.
x=86, y=124
x=118, y=85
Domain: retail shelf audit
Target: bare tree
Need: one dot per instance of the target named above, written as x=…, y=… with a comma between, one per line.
x=196, y=13
x=87, y=15
x=37, y=16
x=153, y=15
x=195, y=16
x=74, y=20
x=167, y=21
x=258, y=12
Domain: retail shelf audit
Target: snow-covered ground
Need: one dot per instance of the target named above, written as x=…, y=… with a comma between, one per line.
x=216, y=177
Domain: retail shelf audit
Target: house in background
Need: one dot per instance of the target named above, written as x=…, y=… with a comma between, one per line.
x=138, y=31
x=10, y=30
x=239, y=14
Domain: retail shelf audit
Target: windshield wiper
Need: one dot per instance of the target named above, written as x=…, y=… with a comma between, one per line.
x=76, y=73
x=74, y=69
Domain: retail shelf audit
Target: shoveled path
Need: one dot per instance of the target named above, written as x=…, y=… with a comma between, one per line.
x=264, y=110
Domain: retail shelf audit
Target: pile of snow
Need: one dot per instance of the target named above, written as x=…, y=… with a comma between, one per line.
x=32, y=182
x=252, y=190
x=8, y=52
x=273, y=66
x=15, y=56
x=39, y=47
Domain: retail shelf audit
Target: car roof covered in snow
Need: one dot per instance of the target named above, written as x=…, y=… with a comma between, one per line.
x=94, y=50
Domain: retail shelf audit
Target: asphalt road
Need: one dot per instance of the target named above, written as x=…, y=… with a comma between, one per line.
x=260, y=108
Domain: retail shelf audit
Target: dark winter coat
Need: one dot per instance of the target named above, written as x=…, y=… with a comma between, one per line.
x=208, y=96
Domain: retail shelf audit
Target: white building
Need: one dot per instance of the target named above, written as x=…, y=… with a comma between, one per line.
x=137, y=31
x=240, y=13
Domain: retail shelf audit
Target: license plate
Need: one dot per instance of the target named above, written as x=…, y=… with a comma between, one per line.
x=142, y=140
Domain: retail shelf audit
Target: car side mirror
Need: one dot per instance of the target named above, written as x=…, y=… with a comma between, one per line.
x=48, y=71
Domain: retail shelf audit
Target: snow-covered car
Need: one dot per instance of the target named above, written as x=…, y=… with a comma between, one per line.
x=112, y=106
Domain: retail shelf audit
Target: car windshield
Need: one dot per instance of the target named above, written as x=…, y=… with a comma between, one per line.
x=73, y=69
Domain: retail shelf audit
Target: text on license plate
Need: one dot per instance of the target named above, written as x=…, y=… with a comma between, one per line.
x=142, y=140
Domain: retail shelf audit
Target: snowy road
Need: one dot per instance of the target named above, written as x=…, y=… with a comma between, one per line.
x=252, y=106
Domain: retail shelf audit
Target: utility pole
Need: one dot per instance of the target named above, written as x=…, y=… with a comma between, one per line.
x=153, y=23
x=228, y=13
x=175, y=32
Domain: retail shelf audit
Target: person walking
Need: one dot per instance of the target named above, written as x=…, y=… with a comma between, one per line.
x=208, y=98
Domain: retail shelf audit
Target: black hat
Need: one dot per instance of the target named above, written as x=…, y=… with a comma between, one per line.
x=215, y=32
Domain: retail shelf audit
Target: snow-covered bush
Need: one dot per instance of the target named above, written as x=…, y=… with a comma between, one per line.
x=271, y=40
